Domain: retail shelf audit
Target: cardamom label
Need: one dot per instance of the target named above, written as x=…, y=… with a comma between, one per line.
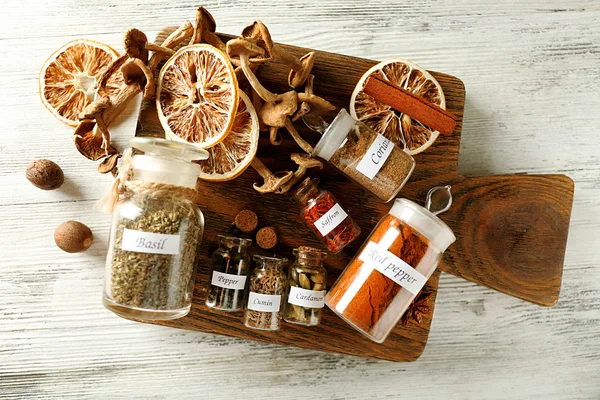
x=148, y=242
x=330, y=220
x=375, y=157
x=393, y=267
x=228, y=281
x=264, y=302
x=306, y=298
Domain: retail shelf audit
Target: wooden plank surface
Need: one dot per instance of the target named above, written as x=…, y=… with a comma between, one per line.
x=531, y=107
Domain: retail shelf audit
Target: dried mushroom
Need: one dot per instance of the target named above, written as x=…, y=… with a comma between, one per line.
x=272, y=182
x=134, y=43
x=276, y=114
x=204, y=30
x=304, y=162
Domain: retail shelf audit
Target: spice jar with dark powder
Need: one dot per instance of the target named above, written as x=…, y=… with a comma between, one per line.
x=365, y=156
x=390, y=269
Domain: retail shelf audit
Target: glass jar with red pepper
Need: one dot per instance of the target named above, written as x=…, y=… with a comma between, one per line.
x=325, y=216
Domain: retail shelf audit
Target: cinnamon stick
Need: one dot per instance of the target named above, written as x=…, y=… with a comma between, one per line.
x=416, y=107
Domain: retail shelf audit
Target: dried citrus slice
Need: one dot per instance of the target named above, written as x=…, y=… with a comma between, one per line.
x=396, y=126
x=197, y=95
x=69, y=77
x=230, y=157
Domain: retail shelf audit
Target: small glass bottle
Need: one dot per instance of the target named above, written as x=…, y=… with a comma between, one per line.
x=390, y=269
x=365, y=156
x=267, y=288
x=155, y=234
x=307, y=279
x=229, y=271
x=325, y=216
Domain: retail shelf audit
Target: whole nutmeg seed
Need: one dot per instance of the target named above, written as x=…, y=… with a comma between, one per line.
x=73, y=237
x=45, y=174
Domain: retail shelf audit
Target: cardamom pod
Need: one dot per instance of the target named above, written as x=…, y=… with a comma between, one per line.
x=304, y=281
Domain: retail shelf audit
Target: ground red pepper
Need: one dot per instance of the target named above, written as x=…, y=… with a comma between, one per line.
x=325, y=216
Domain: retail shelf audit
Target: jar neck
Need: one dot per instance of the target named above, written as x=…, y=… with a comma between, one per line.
x=310, y=257
x=234, y=243
x=307, y=191
x=165, y=170
x=269, y=262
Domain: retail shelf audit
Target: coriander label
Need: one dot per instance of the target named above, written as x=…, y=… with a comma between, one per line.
x=330, y=220
x=228, y=281
x=306, y=298
x=375, y=157
x=393, y=267
x=264, y=302
x=147, y=242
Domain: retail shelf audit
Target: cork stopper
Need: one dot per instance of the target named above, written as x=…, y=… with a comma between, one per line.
x=266, y=237
x=246, y=221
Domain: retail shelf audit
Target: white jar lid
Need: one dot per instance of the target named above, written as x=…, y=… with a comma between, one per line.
x=434, y=229
x=334, y=135
x=166, y=161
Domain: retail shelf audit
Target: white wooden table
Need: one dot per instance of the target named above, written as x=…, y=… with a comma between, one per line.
x=532, y=72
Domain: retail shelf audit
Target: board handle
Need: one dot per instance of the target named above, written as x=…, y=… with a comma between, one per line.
x=511, y=233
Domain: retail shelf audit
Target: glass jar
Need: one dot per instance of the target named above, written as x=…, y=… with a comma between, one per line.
x=325, y=216
x=229, y=270
x=155, y=234
x=307, y=279
x=390, y=269
x=365, y=156
x=267, y=288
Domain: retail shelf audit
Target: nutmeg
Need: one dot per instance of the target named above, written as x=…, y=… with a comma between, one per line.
x=73, y=237
x=45, y=174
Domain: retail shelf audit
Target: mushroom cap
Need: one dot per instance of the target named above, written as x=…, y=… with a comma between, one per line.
x=134, y=43
x=134, y=70
x=237, y=47
x=317, y=104
x=275, y=113
x=89, y=142
x=207, y=20
x=259, y=32
x=306, y=161
x=296, y=79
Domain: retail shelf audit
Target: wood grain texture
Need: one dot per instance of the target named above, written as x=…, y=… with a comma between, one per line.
x=531, y=107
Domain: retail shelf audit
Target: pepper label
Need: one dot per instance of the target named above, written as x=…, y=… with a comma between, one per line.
x=393, y=267
x=306, y=298
x=264, y=302
x=151, y=243
x=375, y=157
x=330, y=220
x=228, y=281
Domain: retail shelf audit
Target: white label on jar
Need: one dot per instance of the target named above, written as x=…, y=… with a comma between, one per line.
x=306, y=298
x=147, y=242
x=264, y=302
x=375, y=157
x=228, y=281
x=331, y=219
x=393, y=267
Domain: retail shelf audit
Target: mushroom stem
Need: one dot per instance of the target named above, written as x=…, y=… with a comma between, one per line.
x=286, y=58
x=272, y=182
x=258, y=87
x=304, y=145
x=274, y=136
x=159, y=49
x=261, y=168
x=212, y=39
x=182, y=33
x=316, y=102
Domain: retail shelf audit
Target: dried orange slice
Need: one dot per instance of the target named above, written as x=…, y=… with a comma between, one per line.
x=197, y=95
x=230, y=157
x=70, y=77
x=413, y=136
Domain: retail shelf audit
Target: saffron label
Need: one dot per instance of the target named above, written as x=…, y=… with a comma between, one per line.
x=393, y=267
x=152, y=243
x=375, y=157
x=264, y=302
x=306, y=298
x=330, y=220
x=228, y=281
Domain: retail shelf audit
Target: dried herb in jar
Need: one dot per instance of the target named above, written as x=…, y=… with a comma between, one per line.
x=267, y=288
x=149, y=280
x=325, y=216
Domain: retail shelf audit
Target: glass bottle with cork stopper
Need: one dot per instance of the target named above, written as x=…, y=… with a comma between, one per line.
x=155, y=233
x=307, y=279
x=230, y=265
x=325, y=216
x=391, y=267
x=363, y=155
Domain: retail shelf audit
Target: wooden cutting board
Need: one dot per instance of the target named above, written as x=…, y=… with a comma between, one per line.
x=511, y=230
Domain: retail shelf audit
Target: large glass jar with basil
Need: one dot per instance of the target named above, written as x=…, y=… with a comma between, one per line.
x=155, y=233
x=307, y=279
x=229, y=270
